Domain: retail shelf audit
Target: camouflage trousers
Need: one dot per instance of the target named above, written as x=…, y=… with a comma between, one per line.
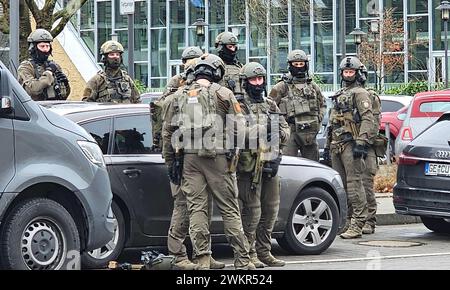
x=305, y=142
x=259, y=211
x=200, y=173
x=351, y=171
x=179, y=224
x=368, y=176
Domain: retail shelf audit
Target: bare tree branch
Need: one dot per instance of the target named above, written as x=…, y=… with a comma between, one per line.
x=391, y=57
x=65, y=14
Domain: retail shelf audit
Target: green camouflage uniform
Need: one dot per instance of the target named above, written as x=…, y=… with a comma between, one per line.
x=39, y=82
x=231, y=78
x=204, y=168
x=371, y=163
x=351, y=122
x=303, y=103
x=111, y=85
x=260, y=205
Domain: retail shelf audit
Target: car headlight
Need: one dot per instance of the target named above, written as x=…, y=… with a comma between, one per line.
x=92, y=152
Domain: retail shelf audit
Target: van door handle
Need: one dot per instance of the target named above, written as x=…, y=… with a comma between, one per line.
x=132, y=172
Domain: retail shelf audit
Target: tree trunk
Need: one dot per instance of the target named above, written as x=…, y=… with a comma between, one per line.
x=25, y=30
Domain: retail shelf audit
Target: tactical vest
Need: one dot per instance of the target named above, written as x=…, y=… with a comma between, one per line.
x=115, y=89
x=57, y=91
x=247, y=158
x=196, y=110
x=301, y=107
x=231, y=78
x=344, y=117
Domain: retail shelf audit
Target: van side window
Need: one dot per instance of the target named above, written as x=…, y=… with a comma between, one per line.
x=132, y=135
x=100, y=130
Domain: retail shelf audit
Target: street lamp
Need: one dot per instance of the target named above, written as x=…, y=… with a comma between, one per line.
x=114, y=36
x=445, y=15
x=358, y=35
x=374, y=25
x=199, y=29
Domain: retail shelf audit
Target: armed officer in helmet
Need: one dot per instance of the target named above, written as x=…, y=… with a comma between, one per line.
x=258, y=182
x=187, y=57
x=111, y=84
x=302, y=101
x=227, y=46
x=351, y=124
x=179, y=224
x=371, y=160
x=193, y=124
x=42, y=78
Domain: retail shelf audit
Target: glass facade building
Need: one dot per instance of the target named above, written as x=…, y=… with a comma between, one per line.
x=267, y=30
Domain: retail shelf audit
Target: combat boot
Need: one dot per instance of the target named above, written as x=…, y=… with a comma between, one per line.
x=353, y=232
x=249, y=266
x=254, y=259
x=185, y=264
x=213, y=264
x=271, y=261
x=347, y=225
x=204, y=262
x=368, y=229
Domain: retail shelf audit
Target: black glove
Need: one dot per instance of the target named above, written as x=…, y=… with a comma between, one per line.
x=359, y=151
x=271, y=167
x=291, y=120
x=61, y=77
x=326, y=155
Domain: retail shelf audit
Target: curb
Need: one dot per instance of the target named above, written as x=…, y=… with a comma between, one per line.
x=396, y=219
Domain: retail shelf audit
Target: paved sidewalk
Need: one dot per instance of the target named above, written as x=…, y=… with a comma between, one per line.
x=386, y=212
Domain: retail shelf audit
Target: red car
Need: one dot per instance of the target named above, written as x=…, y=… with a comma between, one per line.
x=393, y=111
x=424, y=109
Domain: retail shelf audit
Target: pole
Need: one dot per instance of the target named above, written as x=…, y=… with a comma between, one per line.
x=14, y=35
x=342, y=25
x=446, y=53
x=387, y=130
x=131, y=45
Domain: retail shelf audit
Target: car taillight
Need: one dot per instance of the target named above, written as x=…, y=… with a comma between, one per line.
x=405, y=159
x=407, y=134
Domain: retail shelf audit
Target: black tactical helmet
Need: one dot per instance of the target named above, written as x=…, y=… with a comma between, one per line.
x=252, y=69
x=191, y=52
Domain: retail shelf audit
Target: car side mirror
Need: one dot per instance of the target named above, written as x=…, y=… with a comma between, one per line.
x=6, y=106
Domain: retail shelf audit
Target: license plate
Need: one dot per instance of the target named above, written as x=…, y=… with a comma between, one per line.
x=437, y=169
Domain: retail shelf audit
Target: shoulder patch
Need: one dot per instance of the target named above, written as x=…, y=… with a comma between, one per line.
x=366, y=105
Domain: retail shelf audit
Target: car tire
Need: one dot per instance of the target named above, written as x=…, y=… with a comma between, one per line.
x=438, y=225
x=39, y=234
x=318, y=229
x=100, y=257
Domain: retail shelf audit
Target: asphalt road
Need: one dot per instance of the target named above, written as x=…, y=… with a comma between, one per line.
x=392, y=247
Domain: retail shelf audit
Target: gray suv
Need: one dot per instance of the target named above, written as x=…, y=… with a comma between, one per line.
x=55, y=194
